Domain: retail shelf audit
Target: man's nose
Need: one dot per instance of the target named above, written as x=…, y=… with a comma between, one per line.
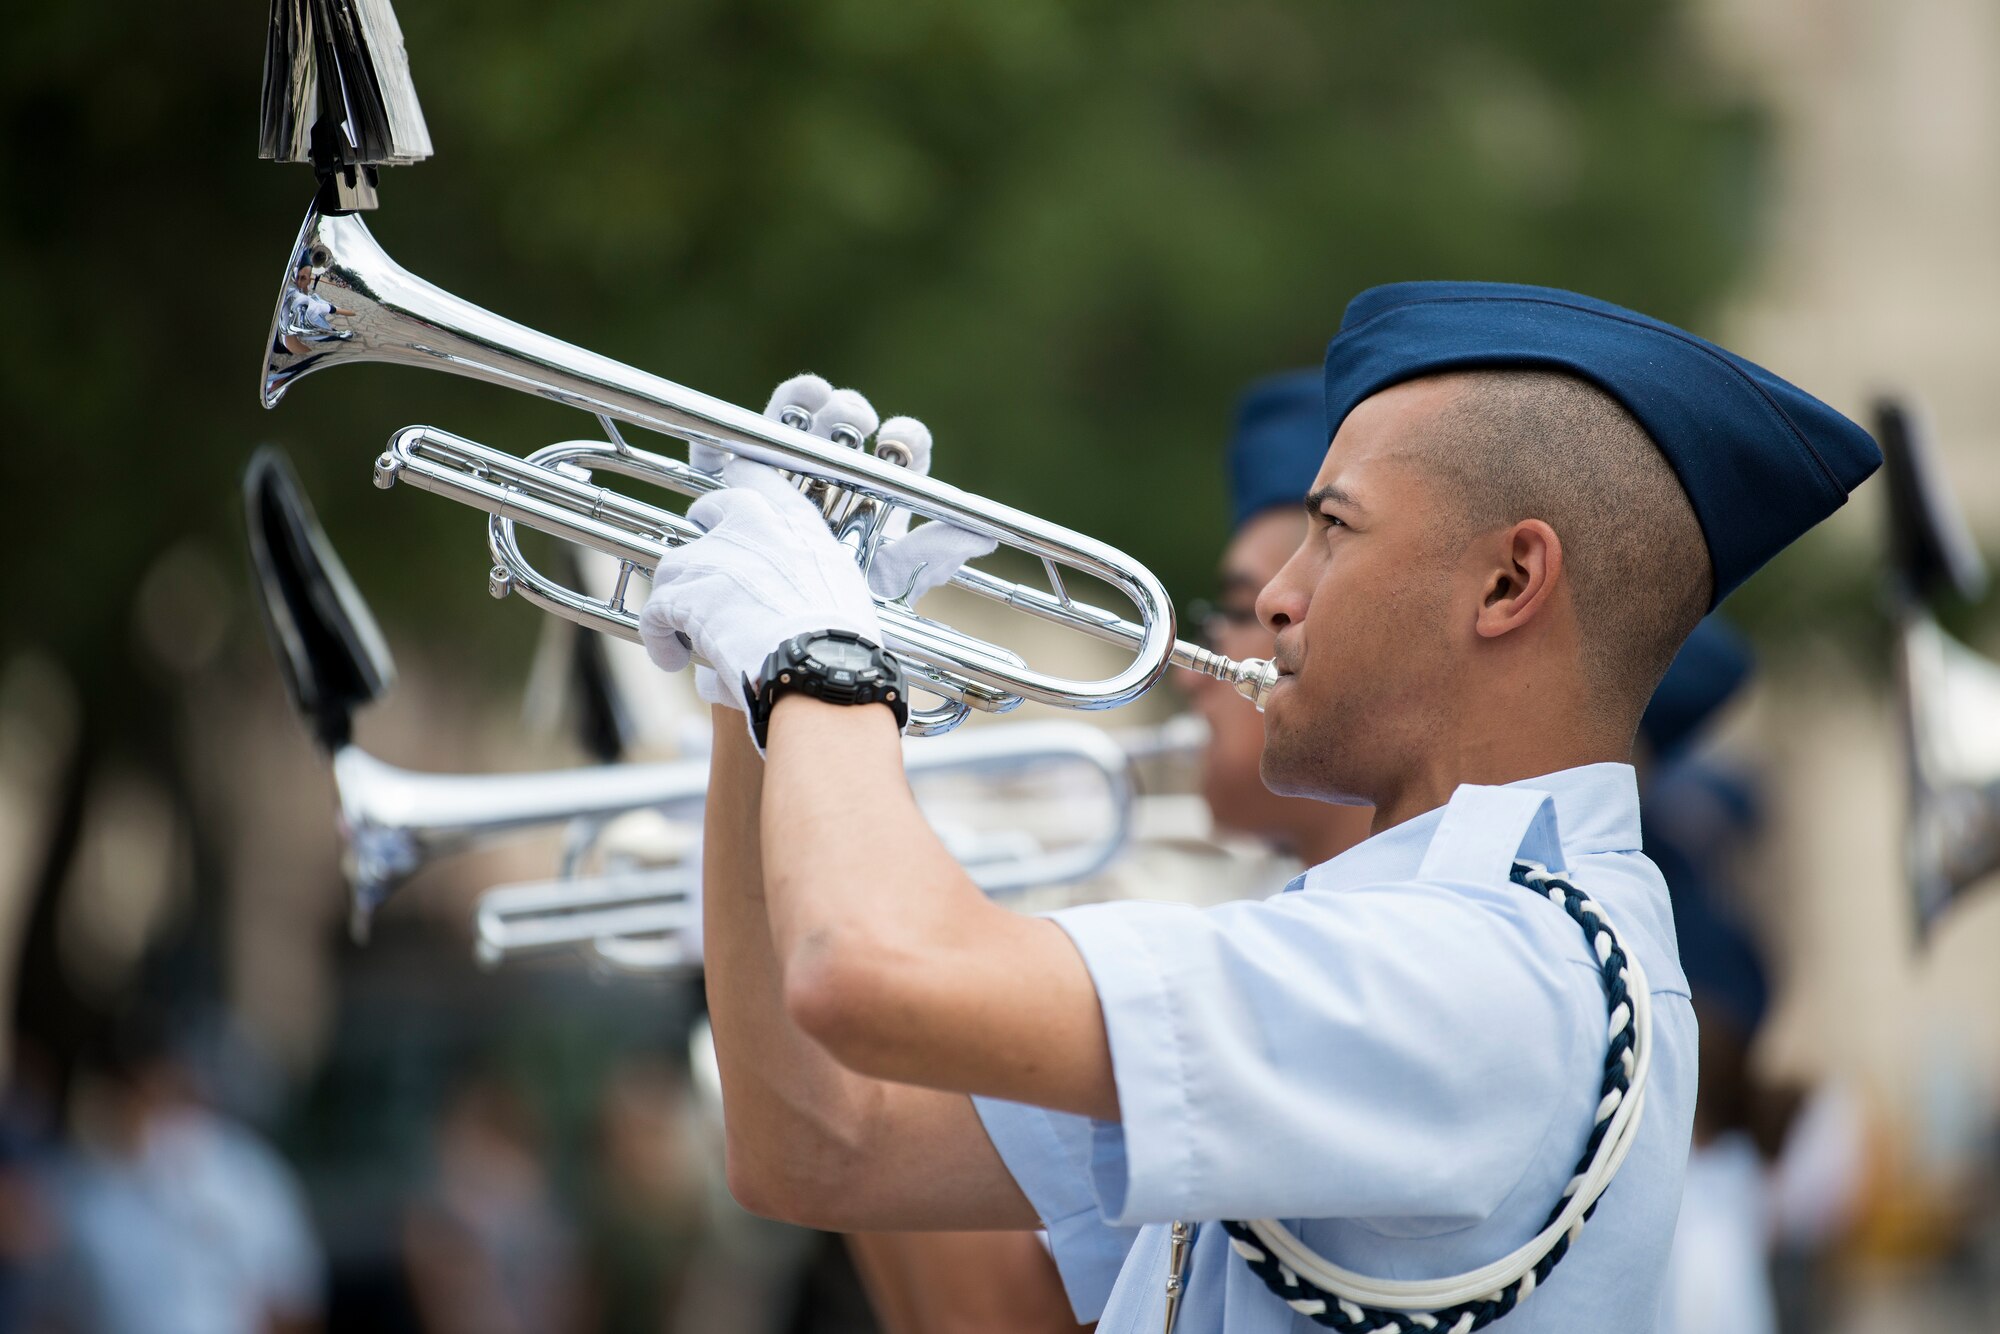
x=1283, y=601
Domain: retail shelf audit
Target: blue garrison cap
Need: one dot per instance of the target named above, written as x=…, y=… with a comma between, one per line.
x=1279, y=443
x=1711, y=665
x=1761, y=460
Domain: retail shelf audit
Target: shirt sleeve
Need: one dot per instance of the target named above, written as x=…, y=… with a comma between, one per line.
x=1393, y=1056
x=1048, y=1154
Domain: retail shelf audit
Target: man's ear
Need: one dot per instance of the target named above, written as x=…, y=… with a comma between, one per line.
x=1521, y=584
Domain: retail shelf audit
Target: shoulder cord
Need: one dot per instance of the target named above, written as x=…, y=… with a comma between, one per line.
x=1343, y=1300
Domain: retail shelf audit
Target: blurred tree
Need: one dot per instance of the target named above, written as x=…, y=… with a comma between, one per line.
x=1062, y=233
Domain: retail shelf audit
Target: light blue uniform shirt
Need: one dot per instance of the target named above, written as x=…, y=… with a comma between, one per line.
x=1399, y=1057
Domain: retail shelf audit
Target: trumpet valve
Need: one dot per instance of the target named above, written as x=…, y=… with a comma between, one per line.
x=499, y=581
x=387, y=469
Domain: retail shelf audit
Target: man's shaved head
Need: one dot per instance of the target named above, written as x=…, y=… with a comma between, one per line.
x=1530, y=444
x=1499, y=566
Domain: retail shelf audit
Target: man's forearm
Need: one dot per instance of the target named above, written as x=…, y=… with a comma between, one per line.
x=810, y=1140
x=782, y=1092
x=890, y=955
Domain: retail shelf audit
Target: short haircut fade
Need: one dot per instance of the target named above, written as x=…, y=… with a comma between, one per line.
x=1537, y=444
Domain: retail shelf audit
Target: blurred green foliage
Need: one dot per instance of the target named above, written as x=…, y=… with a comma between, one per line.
x=1062, y=233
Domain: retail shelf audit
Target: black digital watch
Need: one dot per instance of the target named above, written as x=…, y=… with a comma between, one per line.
x=837, y=666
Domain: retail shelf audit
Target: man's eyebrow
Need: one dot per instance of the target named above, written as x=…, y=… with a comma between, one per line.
x=1334, y=493
x=1232, y=580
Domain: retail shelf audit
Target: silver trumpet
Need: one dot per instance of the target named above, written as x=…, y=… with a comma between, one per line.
x=334, y=662
x=344, y=299
x=642, y=920
x=433, y=814
x=394, y=821
x=647, y=919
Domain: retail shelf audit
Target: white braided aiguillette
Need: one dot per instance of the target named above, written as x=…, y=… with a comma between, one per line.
x=1424, y=1295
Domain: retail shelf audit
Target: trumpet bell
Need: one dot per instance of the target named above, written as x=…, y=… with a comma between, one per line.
x=330, y=302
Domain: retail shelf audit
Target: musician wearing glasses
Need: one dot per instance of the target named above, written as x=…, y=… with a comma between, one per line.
x=1273, y=453
x=1393, y=1095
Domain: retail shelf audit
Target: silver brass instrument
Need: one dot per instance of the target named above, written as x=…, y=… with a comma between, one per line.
x=575, y=909
x=638, y=921
x=394, y=821
x=1949, y=695
x=646, y=918
x=375, y=310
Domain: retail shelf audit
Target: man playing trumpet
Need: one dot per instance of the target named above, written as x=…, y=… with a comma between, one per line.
x=1528, y=501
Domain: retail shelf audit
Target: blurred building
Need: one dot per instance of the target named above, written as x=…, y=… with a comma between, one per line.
x=1879, y=273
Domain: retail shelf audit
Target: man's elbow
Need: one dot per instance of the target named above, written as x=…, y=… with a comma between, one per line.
x=811, y=1193
x=760, y=1189
x=839, y=991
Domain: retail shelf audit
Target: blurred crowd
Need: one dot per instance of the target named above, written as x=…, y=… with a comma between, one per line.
x=156, y=1198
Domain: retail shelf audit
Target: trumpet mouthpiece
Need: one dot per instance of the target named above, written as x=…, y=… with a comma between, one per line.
x=1251, y=678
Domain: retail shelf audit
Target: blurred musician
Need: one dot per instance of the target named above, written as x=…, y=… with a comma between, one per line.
x=1529, y=500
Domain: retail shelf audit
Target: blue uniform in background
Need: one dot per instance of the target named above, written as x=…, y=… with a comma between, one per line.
x=1399, y=1056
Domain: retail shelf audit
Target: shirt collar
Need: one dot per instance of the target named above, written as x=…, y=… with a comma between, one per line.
x=1597, y=810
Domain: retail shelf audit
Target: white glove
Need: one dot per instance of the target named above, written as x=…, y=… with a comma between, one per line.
x=825, y=410
x=906, y=565
x=766, y=569
x=909, y=567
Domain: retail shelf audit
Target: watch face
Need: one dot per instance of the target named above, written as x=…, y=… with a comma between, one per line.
x=840, y=655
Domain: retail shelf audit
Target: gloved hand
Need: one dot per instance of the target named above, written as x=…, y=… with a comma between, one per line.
x=767, y=568
x=907, y=564
x=908, y=567
x=803, y=398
